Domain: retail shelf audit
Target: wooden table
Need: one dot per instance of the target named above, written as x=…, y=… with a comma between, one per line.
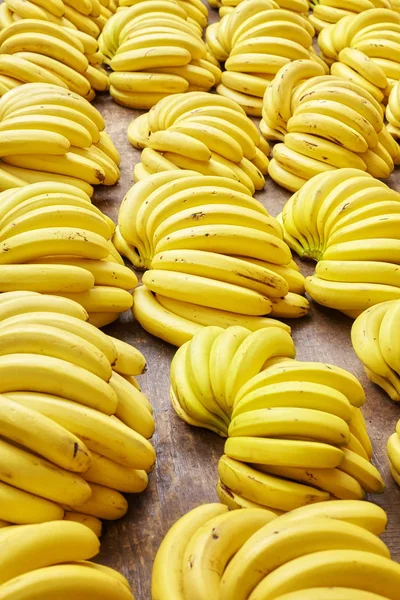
x=186, y=469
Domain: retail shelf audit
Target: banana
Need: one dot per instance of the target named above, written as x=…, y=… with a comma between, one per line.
x=62, y=448
x=183, y=394
x=69, y=164
x=92, y=523
x=168, y=562
x=74, y=132
x=37, y=476
x=367, y=515
x=50, y=341
x=131, y=409
x=362, y=470
x=108, y=473
x=358, y=271
x=234, y=501
x=349, y=296
x=145, y=58
x=223, y=268
x=322, y=593
x=339, y=69
x=47, y=374
x=291, y=453
x=387, y=340
x=30, y=25
x=103, y=298
x=159, y=321
x=336, y=482
x=313, y=372
x=251, y=105
x=31, y=509
x=298, y=164
x=323, y=150
x=377, y=226
x=285, y=178
x=32, y=547
x=177, y=39
x=277, y=545
x=393, y=450
x=293, y=422
x=45, y=278
x=14, y=304
x=105, y=344
x=215, y=294
x=226, y=239
x=333, y=568
x=153, y=82
x=200, y=577
x=247, y=362
x=264, y=489
x=358, y=59
x=203, y=315
x=312, y=396
x=14, y=175
x=108, y=437
x=63, y=580
x=31, y=245
x=16, y=142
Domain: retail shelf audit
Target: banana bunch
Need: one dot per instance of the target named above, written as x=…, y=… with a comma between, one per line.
x=255, y=41
x=195, y=10
x=317, y=552
x=155, y=49
x=393, y=450
x=86, y=17
x=214, y=254
x=53, y=240
x=48, y=133
x=375, y=342
x=62, y=454
x=327, y=12
x=330, y=123
x=393, y=113
x=37, y=51
x=227, y=6
x=348, y=221
x=364, y=49
x=295, y=430
x=202, y=132
x=49, y=560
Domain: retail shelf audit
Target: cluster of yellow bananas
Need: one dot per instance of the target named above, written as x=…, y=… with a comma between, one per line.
x=348, y=221
x=202, y=132
x=295, y=431
x=49, y=560
x=61, y=379
x=255, y=41
x=393, y=112
x=215, y=256
x=393, y=450
x=325, y=551
x=155, y=49
x=38, y=51
x=327, y=12
x=54, y=241
x=330, y=123
x=80, y=16
x=227, y=6
x=364, y=49
x=375, y=339
x=48, y=133
x=195, y=10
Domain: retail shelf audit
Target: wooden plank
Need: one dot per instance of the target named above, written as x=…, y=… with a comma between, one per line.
x=186, y=469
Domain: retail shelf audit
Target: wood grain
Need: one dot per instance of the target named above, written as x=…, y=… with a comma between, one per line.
x=185, y=473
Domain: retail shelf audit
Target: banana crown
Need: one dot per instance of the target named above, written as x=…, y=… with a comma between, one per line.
x=255, y=553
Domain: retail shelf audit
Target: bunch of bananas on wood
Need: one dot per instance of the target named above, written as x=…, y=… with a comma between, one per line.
x=365, y=49
x=195, y=10
x=202, y=132
x=55, y=241
x=38, y=51
x=349, y=222
x=376, y=342
x=215, y=256
x=48, y=133
x=327, y=12
x=295, y=431
x=49, y=560
x=86, y=17
x=155, y=49
x=393, y=450
x=255, y=41
x=318, y=552
x=325, y=123
x=227, y=6
x=62, y=453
